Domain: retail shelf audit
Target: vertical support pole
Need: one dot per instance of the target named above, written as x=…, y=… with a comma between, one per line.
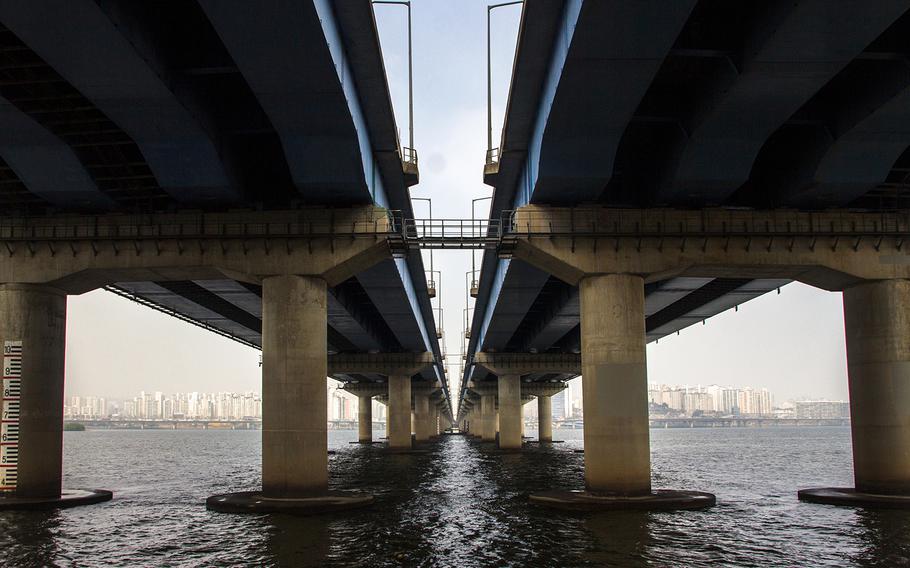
x=294, y=367
x=422, y=416
x=33, y=333
x=365, y=419
x=488, y=417
x=509, y=412
x=545, y=418
x=399, y=417
x=877, y=323
x=615, y=385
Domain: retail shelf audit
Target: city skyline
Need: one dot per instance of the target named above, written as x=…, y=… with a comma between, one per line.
x=705, y=354
x=343, y=405
x=193, y=405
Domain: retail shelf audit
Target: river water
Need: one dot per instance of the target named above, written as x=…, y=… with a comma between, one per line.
x=459, y=505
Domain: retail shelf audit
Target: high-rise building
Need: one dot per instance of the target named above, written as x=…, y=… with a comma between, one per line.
x=698, y=402
x=559, y=405
x=724, y=399
x=822, y=409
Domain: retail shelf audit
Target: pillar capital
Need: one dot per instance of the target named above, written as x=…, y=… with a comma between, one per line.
x=333, y=244
x=527, y=363
x=381, y=363
x=542, y=389
x=428, y=388
x=829, y=249
x=366, y=389
x=481, y=389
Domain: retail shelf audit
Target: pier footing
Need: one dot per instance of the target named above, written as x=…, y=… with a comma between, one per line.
x=256, y=502
x=657, y=500
x=68, y=498
x=849, y=497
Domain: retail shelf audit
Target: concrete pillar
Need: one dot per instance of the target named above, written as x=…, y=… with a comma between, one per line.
x=509, y=412
x=615, y=385
x=36, y=317
x=365, y=419
x=488, y=417
x=399, y=416
x=877, y=324
x=294, y=367
x=545, y=418
x=422, y=416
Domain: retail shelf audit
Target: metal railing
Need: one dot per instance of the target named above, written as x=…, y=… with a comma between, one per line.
x=497, y=233
x=197, y=226
x=409, y=155
x=610, y=223
x=492, y=156
x=451, y=233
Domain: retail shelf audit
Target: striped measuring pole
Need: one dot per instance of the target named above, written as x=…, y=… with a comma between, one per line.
x=9, y=421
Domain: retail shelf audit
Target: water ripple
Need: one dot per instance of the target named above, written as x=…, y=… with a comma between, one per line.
x=461, y=504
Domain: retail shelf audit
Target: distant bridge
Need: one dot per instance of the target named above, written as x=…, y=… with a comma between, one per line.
x=201, y=424
x=169, y=424
x=725, y=422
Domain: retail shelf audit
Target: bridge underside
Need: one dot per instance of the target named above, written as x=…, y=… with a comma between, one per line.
x=690, y=104
x=123, y=107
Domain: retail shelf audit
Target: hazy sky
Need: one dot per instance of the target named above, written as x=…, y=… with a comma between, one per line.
x=792, y=343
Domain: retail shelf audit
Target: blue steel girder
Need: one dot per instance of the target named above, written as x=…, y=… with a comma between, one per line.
x=46, y=165
x=790, y=51
x=123, y=76
x=787, y=103
x=608, y=56
x=302, y=79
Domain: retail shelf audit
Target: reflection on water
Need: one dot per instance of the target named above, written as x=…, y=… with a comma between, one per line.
x=459, y=505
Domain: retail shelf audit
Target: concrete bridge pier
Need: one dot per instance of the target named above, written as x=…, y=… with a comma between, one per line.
x=398, y=392
x=365, y=419
x=422, y=416
x=33, y=339
x=399, y=417
x=797, y=245
x=614, y=379
x=468, y=425
x=545, y=418
x=877, y=325
x=488, y=417
x=294, y=421
x=509, y=412
x=437, y=420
